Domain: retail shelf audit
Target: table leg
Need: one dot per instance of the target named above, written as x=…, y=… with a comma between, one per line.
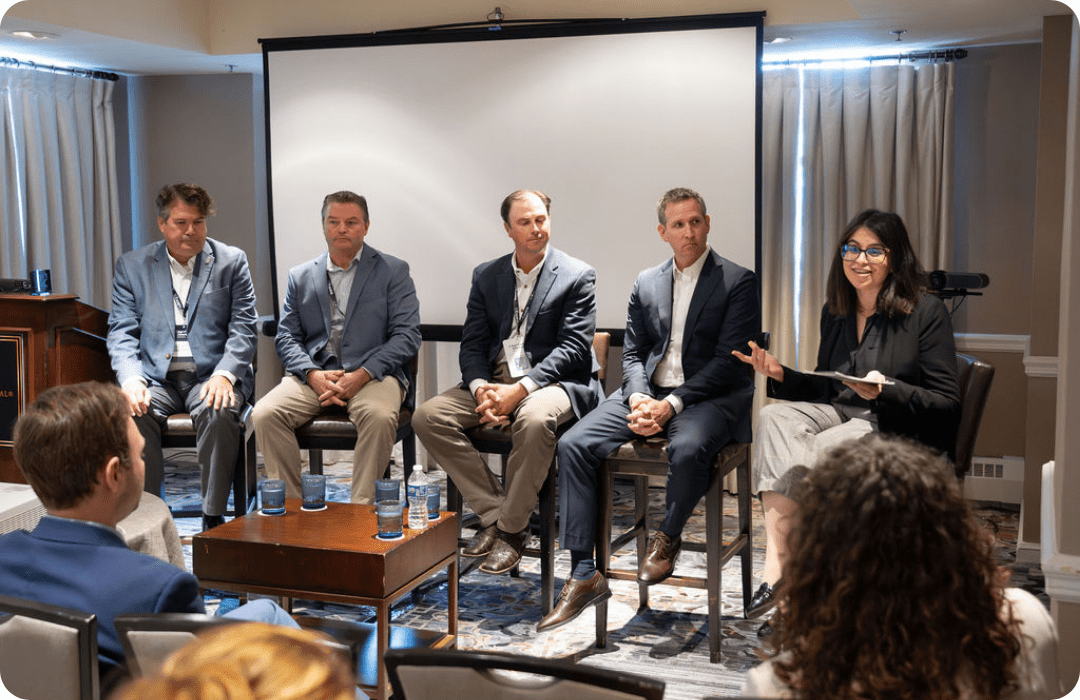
x=452, y=599
x=382, y=625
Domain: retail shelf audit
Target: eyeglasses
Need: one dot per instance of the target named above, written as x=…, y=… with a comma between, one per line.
x=851, y=252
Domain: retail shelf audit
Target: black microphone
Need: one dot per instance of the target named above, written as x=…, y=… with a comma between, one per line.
x=9, y=284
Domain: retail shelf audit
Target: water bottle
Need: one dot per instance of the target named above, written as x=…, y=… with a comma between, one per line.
x=417, y=490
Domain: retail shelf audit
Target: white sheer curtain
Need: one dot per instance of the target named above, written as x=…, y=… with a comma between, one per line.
x=835, y=142
x=58, y=183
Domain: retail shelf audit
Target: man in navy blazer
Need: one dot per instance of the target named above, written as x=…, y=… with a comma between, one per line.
x=679, y=379
x=182, y=339
x=350, y=325
x=81, y=452
x=526, y=361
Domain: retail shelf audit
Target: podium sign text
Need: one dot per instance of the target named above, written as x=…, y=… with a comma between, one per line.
x=12, y=383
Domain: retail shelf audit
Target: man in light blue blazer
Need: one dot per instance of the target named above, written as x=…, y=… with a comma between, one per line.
x=349, y=327
x=182, y=339
x=526, y=360
x=80, y=451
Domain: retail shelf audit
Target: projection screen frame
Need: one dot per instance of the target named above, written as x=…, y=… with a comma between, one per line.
x=515, y=30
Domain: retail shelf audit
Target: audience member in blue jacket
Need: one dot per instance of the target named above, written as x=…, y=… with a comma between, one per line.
x=80, y=450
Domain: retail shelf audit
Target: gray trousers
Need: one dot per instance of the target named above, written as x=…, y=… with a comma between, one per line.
x=217, y=438
x=791, y=436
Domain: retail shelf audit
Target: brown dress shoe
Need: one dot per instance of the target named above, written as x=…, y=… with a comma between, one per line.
x=575, y=597
x=481, y=543
x=660, y=561
x=506, y=552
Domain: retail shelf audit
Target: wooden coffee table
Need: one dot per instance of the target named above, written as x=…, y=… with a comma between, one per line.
x=334, y=556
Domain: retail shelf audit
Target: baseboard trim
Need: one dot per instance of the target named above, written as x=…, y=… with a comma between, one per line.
x=1062, y=571
x=992, y=342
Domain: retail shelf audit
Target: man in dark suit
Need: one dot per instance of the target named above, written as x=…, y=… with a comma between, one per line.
x=182, y=339
x=526, y=359
x=679, y=380
x=350, y=325
x=80, y=451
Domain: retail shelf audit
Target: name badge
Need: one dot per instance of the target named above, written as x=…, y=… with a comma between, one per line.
x=516, y=361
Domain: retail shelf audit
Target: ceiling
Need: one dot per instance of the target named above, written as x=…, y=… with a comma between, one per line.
x=148, y=37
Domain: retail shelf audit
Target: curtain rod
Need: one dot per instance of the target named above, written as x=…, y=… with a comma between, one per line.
x=936, y=55
x=82, y=72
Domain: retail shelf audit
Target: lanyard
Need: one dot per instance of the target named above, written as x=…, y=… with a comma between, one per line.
x=520, y=315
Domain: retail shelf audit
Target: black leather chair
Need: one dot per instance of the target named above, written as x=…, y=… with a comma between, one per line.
x=417, y=674
x=974, y=377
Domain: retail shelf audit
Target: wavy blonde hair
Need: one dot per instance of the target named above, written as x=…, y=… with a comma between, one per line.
x=250, y=661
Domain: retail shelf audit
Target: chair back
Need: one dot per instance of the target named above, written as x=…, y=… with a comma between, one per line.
x=601, y=343
x=149, y=639
x=974, y=378
x=419, y=673
x=49, y=652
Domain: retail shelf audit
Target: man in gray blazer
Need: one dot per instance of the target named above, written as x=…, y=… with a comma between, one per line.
x=182, y=339
x=526, y=359
x=350, y=325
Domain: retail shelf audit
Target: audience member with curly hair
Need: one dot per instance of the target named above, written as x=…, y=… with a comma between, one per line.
x=250, y=661
x=890, y=590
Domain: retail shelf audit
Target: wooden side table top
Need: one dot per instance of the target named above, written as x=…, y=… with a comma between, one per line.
x=331, y=552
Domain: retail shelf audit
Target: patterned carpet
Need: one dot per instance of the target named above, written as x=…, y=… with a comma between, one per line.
x=668, y=640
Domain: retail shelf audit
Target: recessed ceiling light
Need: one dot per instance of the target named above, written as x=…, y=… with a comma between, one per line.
x=32, y=34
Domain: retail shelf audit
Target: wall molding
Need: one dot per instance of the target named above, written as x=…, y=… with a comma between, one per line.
x=1041, y=366
x=992, y=342
x=1034, y=365
x=1062, y=571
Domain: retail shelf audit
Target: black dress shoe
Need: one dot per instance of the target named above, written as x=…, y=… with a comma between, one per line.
x=212, y=521
x=574, y=598
x=481, y=543
x=762, y=601
x=506, y=552
x=660, y=561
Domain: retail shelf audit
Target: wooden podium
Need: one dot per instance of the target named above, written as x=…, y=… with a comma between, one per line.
x=45, y=341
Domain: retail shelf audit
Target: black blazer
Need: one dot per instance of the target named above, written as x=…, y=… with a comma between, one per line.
x=916, y=351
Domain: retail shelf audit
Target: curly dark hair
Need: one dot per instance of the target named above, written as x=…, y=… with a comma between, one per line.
x=186, y=192
x=891, y=590
x=904, y=283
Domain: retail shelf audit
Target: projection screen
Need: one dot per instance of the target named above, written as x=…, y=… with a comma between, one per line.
x=436, y=127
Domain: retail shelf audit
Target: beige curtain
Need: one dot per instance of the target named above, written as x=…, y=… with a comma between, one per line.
x=58, y=185
x=834, y=142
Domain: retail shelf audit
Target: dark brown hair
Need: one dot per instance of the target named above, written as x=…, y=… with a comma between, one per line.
x=890, y=588
x=189, y=193
x=345, y=197
x=902, y=287
x=517, y=196
x=67, y=435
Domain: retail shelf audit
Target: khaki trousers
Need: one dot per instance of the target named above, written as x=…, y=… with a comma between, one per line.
x=373, y=410
x=441, y=422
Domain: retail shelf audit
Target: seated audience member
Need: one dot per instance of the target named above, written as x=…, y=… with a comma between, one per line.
x=680, y=381
x=80, y=451
x=877, y=320
x=350, y=325
x=182, y=340
x=526, y=359
x=890, y=590
x=249, y=662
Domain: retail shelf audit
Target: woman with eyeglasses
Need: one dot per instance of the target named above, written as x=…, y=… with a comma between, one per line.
x=878, y=323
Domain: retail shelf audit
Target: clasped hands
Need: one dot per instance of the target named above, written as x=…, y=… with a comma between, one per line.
x=336, y=386
x=495, y=402
x=648, y=416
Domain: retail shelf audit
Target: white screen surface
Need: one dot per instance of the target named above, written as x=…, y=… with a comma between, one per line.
x=436, y=134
